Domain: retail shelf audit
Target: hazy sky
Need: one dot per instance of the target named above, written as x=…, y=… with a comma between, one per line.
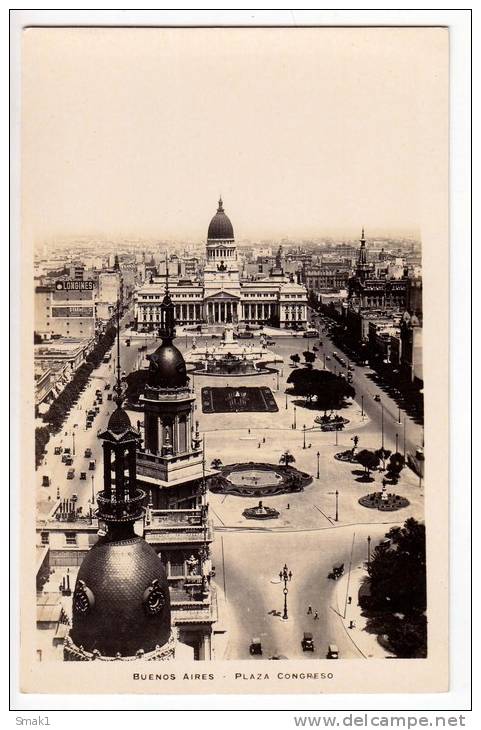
x=303, y=131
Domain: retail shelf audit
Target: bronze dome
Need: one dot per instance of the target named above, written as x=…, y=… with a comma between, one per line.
x=121, y=602
x=220, y=227
x=167, y=367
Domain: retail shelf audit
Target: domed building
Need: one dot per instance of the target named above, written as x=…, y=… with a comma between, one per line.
x=171, y=469
x=219, y=295
x=121, y=602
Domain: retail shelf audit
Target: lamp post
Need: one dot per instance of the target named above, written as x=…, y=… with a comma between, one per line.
x=382, y=425
x=404, y=439
x=318, y=455
x=304, y=434
x=397, y=441
x=285, y=575
x=277, y=373
x=336, y=518
x=295, y=422
x=368, y=552
x=286, y=401
x=362, y=407
x=399, y=414
x=324, y=361
x=73, y=442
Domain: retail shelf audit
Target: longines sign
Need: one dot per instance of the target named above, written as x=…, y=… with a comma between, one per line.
x=74, y=285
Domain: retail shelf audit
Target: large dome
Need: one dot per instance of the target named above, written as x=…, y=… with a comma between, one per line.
x=167, y=367
x=220, y=227
x=121, y=602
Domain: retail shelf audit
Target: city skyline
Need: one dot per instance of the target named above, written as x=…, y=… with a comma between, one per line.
x=143, y=138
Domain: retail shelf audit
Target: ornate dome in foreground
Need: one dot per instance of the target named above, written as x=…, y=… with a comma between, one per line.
x=121, y=603
x=167, y=367
x=220, y=227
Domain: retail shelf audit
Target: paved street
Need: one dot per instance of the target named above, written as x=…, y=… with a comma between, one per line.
x=249, y=556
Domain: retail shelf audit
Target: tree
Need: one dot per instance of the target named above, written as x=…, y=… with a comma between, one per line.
x=395, y=467
x=42, y=436
x=328, y=390
x=369, y=460
x=286, y=458
x=309, y=357
x=296, y=359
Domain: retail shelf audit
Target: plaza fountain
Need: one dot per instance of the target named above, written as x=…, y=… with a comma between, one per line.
x=231, y=357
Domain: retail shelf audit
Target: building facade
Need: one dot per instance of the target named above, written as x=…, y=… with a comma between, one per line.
x=220, y=295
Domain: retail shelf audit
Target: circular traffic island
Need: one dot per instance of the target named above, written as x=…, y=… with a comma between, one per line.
x=260, y=513
x=255, y=479
x=383, y=501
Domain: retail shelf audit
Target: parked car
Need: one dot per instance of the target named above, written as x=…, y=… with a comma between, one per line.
x=88, y=453
x=255, y=646
x=45, y=481
x=332, y=652
x=92, y=465
x=70, y=473
x=66, y=450
x=307, y=642
x=68, y=460
x=57, y=450
x=377, y=398
x=83, y=475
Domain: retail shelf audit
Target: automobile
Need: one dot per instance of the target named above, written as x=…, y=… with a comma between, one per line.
x=255, y=646
x=109, y=397
x=336, y=572
x=377, y=398
x=332, y=652
x=45, y=481
x=57, y=450
x=88, y=424
x=278, y=656
x=70, y=473
x=88, y=453
x=350, y=368
x=98, y=392
x=245, y=335
x=68, y=460
x=66, y=450
x=100, y=400
x=127, y=343
x=328, y=358
x=92, y=465
x=310, y=333
x=83, y=475
x=307, y=642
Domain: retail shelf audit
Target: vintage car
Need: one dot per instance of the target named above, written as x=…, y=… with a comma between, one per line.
x=255, y=646
x=83, y=475
x=70, y=473
x=307, y=642
x=45, y=481
x=88, y=453
x=92, y=465
x=57, y=450
x=332, y=652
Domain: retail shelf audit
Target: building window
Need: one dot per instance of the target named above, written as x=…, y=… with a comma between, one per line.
x=44, y=538
x=70, y=538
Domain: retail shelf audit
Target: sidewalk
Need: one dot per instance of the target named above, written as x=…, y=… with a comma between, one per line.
x=366, y=643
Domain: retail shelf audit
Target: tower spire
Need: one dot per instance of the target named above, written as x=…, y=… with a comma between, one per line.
x=220, y=209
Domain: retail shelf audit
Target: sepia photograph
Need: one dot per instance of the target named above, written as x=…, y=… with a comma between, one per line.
x=234, y=282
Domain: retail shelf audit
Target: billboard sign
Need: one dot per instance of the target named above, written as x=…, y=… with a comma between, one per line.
x=74, y=285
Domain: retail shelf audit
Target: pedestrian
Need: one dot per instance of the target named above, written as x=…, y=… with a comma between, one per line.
x=316, y=616
x=309, y=610
x=349, y=600
x=259, y=445
x=352, y=624
x=248, y=430
x=288, y=506
x=263, y=439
